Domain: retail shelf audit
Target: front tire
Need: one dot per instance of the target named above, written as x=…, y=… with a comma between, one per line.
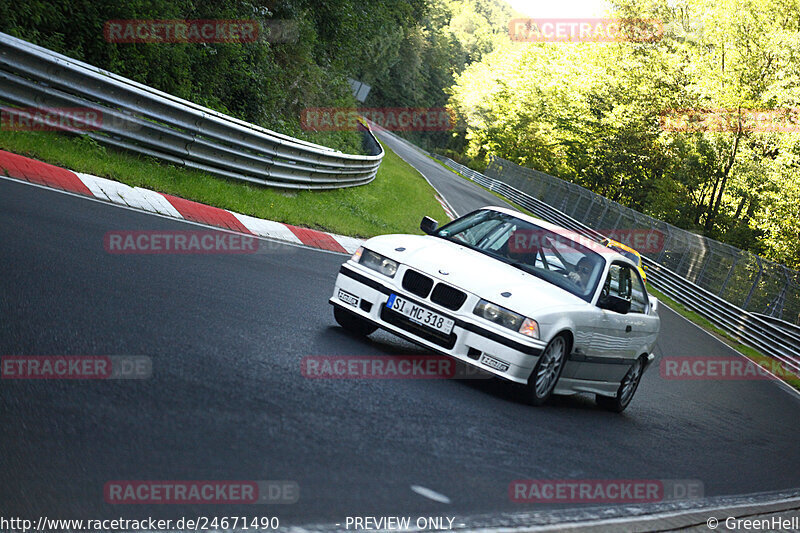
x=627, y=388
x=353, y=323
x=545, y=374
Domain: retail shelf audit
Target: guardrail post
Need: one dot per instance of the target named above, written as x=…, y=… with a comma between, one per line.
x=780, y=301
x=699, y=277
x=616, y=224
x=755, y=283
x=730, y=274
x=586, y=215
x=663, y=246
x=683, y=259
x=577, y=205
x=564, y=200
x=605, y=210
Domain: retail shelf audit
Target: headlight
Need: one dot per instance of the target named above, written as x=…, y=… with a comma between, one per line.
x=507, y=319
x=376, y=262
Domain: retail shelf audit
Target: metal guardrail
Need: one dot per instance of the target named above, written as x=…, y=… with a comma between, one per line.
x=149, y=122
x=749, y=329
x=788, y=327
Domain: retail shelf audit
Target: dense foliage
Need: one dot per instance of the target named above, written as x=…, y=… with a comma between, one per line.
x=593, y=114
x=265, y=82
x=409, y=51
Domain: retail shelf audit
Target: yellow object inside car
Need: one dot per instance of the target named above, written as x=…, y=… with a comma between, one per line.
x=628, y=252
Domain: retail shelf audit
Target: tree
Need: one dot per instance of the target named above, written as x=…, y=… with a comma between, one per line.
x=598, y=115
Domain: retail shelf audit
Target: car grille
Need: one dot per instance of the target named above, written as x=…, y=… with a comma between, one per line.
x=417, y=283
x=448, y=296
x=402, y=322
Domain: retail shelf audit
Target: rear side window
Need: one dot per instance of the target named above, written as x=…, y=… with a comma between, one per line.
x=639, y=301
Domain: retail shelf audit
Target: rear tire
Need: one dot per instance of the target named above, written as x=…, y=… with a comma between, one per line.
x=353, y=323
x=547, y=371
x=627, y=388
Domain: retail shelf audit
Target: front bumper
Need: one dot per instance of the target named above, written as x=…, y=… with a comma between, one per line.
x=503, y=354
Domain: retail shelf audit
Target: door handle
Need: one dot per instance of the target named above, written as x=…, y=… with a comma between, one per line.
x=628, y=328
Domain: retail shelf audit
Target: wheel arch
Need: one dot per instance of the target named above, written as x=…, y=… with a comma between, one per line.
x=570, y=336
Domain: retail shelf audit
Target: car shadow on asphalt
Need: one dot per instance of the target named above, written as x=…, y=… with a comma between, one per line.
x=385, y=344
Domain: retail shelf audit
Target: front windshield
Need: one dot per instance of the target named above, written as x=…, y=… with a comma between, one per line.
x=550, y=256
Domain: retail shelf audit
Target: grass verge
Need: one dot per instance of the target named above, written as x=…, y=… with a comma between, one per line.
x=508, y=201
x=363, y=211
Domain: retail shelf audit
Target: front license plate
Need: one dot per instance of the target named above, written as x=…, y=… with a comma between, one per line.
x=420, y=315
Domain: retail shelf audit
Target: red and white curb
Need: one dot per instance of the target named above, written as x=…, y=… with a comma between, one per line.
x=447, y=209
x=23, y=168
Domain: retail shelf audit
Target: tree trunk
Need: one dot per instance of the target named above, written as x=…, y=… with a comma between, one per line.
x=740, y=207
x=725, y=174
x=709, y=214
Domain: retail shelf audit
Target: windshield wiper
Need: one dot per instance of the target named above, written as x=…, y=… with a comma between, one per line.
x=459, y=242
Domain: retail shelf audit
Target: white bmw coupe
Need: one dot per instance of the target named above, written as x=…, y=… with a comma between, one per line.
x=523, y=299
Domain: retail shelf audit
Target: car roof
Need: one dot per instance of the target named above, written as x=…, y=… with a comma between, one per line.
x=623, y=246
x=594, y=246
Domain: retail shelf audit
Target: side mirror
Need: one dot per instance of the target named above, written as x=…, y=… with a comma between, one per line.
x=428, y=225
x=653, y=303
x=614, y=303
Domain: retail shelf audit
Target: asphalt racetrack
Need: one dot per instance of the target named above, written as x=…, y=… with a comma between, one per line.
x=226, y=335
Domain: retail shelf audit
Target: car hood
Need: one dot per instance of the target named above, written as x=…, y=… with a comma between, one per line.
x=476, y=273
